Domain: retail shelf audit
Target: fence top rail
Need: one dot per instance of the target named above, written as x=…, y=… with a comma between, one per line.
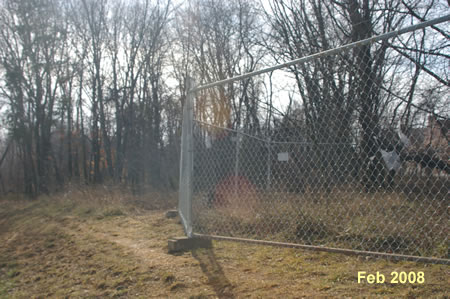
x=327, y=52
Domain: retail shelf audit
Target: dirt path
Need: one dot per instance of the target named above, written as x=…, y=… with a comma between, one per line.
x=60, y=250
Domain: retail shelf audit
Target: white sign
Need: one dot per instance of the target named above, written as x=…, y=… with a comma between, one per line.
x=391, y=159
x=283, y=157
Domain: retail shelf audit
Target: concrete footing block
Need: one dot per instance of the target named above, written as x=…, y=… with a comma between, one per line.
x=181, y=244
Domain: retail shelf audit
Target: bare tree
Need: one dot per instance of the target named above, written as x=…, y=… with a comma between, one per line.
x=32, y=55
x=220, y=40
x=356, y=89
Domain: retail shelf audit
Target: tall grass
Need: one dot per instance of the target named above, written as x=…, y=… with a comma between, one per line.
x=407, y=221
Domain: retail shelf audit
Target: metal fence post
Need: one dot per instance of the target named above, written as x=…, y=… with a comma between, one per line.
x=187, y=160
x=269, y=162
x=236, y=163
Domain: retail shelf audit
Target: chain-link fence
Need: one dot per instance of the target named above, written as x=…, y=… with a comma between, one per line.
x=340, y=170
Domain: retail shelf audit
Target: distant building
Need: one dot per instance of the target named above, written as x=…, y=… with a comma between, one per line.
x=436, y=136
x=430, y=147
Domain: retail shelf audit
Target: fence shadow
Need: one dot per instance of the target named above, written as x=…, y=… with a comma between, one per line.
x=212, y=269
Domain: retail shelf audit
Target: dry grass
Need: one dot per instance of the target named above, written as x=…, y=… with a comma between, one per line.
x=99, y=243
x=382, y=221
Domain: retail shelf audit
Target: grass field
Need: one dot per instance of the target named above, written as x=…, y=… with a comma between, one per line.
x=96, y=243
x=345, y=217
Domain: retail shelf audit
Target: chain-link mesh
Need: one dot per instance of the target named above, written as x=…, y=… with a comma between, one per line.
x=339, y=170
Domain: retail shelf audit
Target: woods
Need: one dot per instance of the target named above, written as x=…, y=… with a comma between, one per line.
x=92, y=91
x=85, y=94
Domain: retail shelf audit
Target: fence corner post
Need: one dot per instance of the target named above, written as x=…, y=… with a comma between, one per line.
x=187, y=160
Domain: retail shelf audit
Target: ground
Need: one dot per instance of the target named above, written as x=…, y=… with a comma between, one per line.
x=100, y=243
